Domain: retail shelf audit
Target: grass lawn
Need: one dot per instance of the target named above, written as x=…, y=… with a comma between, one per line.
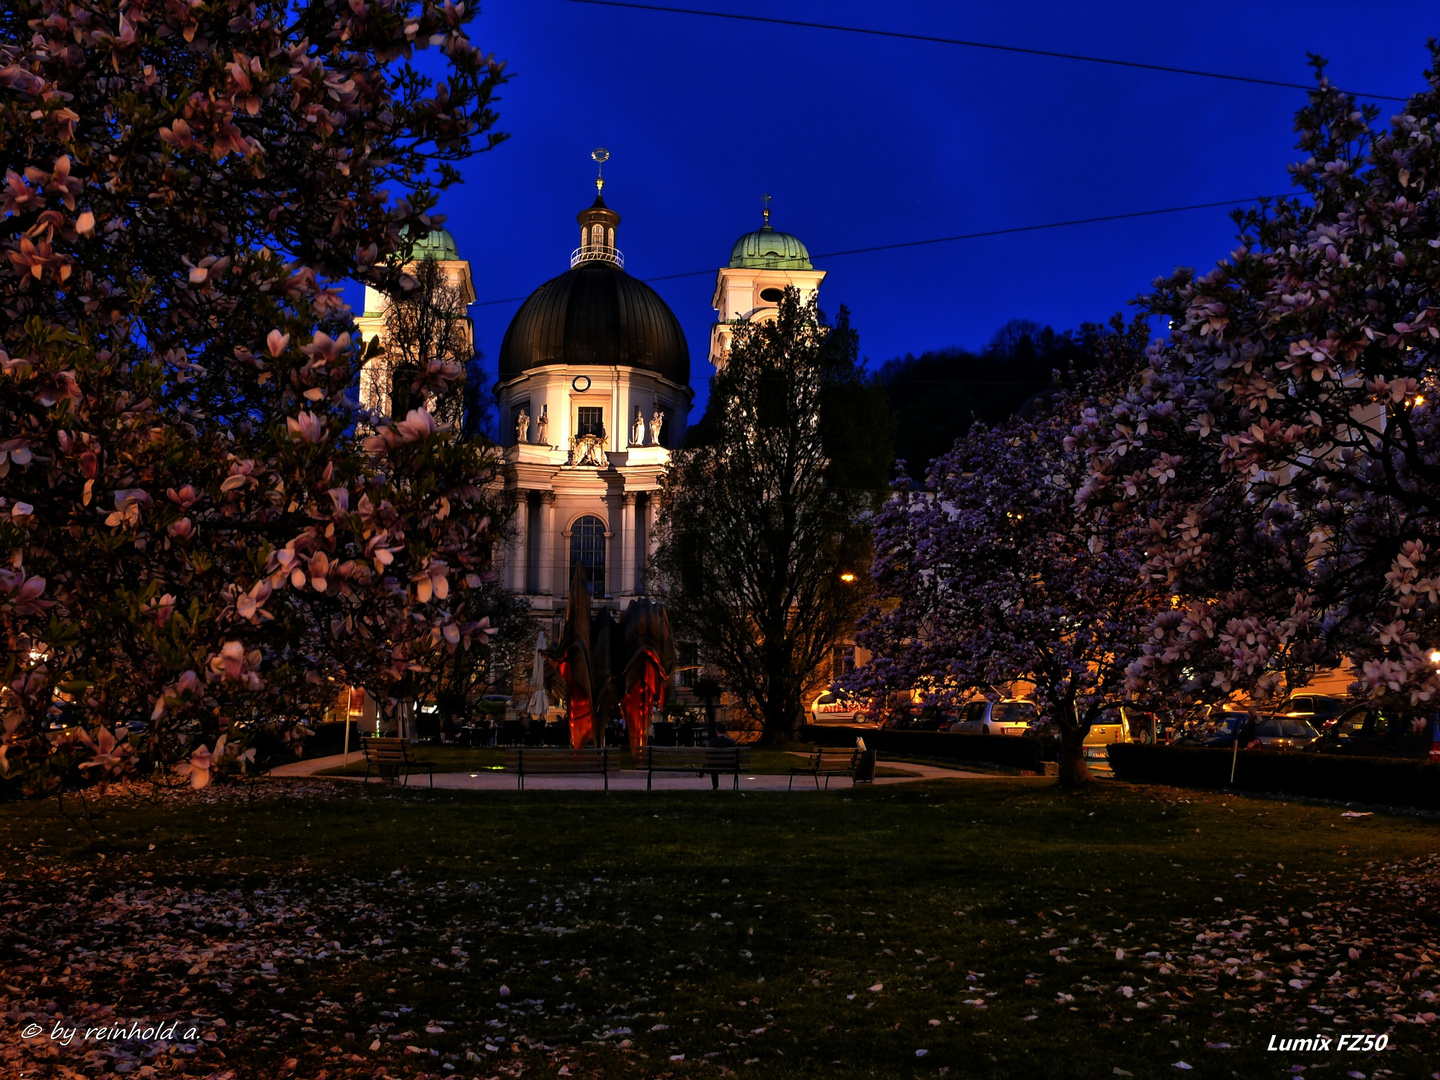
x=1002, y=928
x=465, y=759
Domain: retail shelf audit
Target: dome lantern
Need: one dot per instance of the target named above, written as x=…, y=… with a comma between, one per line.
x=598, y=224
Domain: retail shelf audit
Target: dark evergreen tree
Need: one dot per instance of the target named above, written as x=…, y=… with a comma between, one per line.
x=764, y=527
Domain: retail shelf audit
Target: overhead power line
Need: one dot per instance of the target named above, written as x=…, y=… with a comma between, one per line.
x=959, y=236
x=969, y=44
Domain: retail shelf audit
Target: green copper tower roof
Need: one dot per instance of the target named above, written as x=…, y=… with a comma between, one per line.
x=439, y=245
x=766, y=249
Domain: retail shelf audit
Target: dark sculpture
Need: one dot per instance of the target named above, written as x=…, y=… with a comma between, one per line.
x=605, y=663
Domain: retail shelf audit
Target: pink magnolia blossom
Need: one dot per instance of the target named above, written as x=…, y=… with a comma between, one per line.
x=251, y=605
x=417, y=426
x=433, y=580
x=201, y=764
x=307, y=427
x=233, y=664
x=324, y=351
x=242, y=474
x=129, y=504
x=319, y=568
x=185, y=498
x=23, y=593
x=380, y=551
x=15, y=450
x=112, y=756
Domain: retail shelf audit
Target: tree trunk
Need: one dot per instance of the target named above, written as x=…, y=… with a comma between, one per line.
x=1074, y=773
x=775, y=726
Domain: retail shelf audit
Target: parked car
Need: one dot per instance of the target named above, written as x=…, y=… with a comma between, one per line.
x=1318, y=710
x=1123, y=724
x=1371, y=730
x=919, y=718
x=835, y=708
x=1217, y=728
x=933, y=718
x=1011, y=716
x=1283, y=733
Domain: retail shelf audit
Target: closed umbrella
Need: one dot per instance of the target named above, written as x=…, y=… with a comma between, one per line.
x=539, y=704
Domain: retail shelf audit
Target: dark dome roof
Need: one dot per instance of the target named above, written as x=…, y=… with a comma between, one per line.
x=596, y=314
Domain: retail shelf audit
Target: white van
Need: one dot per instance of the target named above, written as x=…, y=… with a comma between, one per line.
x=1012, y=716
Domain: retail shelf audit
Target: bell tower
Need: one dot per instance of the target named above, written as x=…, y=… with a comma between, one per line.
x=762, y=264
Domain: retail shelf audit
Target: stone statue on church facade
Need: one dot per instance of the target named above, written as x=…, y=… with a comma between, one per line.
x=542, y=426
x=657, y=421
x=637, y=431
x=522, y=426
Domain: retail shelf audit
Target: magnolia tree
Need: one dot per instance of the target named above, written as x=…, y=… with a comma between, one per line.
x=994, y=577
x=202, y=538
x=1286, y=438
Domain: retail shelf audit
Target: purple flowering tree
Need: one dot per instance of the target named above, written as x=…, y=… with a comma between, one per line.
x=201, y=537
x=994, y=576
x=1286, y=437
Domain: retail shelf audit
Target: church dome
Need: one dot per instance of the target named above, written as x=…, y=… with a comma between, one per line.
x=766, y=249
x=597, y=314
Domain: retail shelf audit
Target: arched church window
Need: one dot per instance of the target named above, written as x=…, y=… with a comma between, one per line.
x=587, y=549
x=610, y=238
x=597, y=235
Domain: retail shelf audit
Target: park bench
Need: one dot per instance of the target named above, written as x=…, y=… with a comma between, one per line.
x=826, y=763
x=535, y=761
x=694, y=759
x=388, y=756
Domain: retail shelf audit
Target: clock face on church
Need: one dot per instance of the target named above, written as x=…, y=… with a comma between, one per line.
x=581, y=383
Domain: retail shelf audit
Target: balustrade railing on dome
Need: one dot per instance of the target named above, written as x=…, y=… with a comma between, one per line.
x=597, y=254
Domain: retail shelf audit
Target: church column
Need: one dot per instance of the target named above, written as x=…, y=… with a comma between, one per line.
x=652, y=514
x=627, y=542
x=641, y=544
x=614, y=548
x=515, y=573
x=550, y=578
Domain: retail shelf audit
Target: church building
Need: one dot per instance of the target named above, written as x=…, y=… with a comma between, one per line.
x=594, y=392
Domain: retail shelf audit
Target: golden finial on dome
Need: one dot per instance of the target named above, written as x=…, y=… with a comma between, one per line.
x=765, y=199
x=601, y=155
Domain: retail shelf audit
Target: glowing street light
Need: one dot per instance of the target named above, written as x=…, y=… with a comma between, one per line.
x=849, y=579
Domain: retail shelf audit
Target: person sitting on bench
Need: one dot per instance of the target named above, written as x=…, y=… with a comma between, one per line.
x=719, y=739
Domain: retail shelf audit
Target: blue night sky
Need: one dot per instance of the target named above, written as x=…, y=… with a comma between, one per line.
x=865, y=141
